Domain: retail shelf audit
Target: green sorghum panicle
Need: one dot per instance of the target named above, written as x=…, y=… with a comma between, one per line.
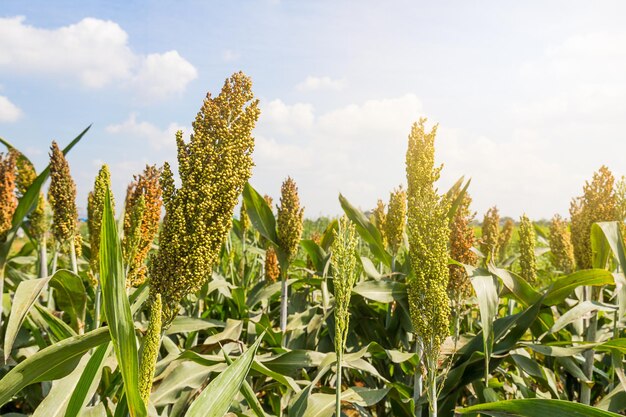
x=561, y=249
x=620, y=199
x=461, y=245
x=428, y=234
x=345, y=273
x=151, y=345
x=597, y=204
x=213, y=166
x=8, y=199
x=289, y=219
x=379, y=216
x=244, y=219
x=62, y=197
x=37, y=225
x=95, y=208
x=505, y=238
x=141, y=222
x=395, y=219
x=527, y=261
x=490, y=236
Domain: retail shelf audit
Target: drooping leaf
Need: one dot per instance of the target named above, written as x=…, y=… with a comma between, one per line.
x=535, y=407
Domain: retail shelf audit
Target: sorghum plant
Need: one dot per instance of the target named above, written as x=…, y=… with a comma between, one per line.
x=213, y=166
x=428, y=234
x=289, y=231
x=395, y=219
x=345, y=273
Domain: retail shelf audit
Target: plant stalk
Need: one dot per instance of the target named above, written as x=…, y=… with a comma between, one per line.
x=338, y=386
x=283, y=302
x=73, y=257
x=43, y=258
x=418, y=379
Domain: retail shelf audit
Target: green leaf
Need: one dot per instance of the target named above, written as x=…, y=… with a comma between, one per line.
x=117, y=309
x=455, y=194
x=367, y=230
x=535, y=407
x=317, y=255
x=486, y=289
x=521, y=289
x=71, y=297
x=383, y=291
x=260, y=214
x=25, y=296
x=215, y=399
x=53, y=362
x=85, y=384
x=563, y=287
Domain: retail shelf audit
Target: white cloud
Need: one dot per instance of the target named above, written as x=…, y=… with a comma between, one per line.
x=156, y=137
x=230, y=55
x=312, y=83
x=9, y=112
x=94, y=51
x=287, y=119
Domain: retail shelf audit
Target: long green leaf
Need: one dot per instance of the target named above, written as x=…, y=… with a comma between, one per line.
x=117, y=309
x=367, y=230
x=535, y=407
x=563, y=287
x=86, y=382
x=53, y=362
x=260, y=214
x=71, y=297
x=215, y=399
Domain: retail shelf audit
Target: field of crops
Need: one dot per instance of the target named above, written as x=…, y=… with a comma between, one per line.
x=198, y=295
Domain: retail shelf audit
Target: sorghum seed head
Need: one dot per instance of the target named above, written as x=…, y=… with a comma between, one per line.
x=490, y=233
x=379, y=217
x=428, y=234
x=8, y=198
x=95, y=207
x=213, y=166
x=597, y=204
x=272, y=268
x=62, y=196
x=395, y=219
x=528, y=263
x=461, y=245
x=505, y=238
x=345, y=273
x=561, y=249
x=141, y=222
x=289, y=219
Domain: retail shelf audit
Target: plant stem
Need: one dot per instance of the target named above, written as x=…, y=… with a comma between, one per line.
x=283, y=302
x=432, y=386
x=2, y=266
x=43, y=258
x=73, y=257
x=418, y=382
x=338, y=386
x=585, y=391
x=97, y=303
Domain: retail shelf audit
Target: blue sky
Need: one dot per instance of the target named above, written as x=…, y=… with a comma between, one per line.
x=529, y=96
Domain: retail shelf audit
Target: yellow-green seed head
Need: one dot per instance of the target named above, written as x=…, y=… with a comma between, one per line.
x=62, y=196
x=289, y=219
x=527, y=261
x=561, y=249
x=428, y=234
x=345, y=274
x=141, y=222
x=379, y=217
x=395, y=219
x=597, y=204
x=37, y=224
x=461, y=245
x=151, y=345
x=8, y=199
x=490, y=233
x=505, y=238
x=95, y=208
x=213, y=166
x=244, y=219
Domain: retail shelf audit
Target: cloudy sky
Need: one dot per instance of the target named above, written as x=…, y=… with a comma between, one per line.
x=530, y=97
